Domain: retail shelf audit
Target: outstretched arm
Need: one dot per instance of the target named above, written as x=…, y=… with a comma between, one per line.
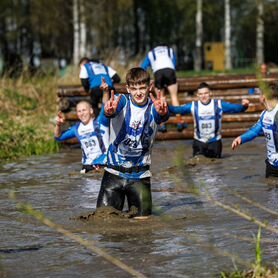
x=249, y=135
x=235, y=108
x=236, y=142
x=182, y=110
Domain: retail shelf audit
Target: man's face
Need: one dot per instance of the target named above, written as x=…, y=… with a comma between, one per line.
x=204, y=95
x=84, y=112
x=139, y=93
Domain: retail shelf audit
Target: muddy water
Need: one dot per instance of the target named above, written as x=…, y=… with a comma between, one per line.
x=188, y=235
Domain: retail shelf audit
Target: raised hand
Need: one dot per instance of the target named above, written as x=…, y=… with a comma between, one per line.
x=111, y=105
x=160, y=103
x=104, y=86
x=236, y=142
x=245, y=102
x=60, y=119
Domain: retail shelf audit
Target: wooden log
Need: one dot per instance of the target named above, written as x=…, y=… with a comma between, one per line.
x=188, y=134
x=241, y=117
x=184, y=85
x=68, y=102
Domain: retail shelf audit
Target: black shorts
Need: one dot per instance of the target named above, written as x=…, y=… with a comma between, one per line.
x=96, y=99
x=114, y=189
x=270, y=171
x=213, y=149
x=164, y=78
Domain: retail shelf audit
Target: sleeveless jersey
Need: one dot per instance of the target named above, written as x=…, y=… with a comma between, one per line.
x=161, y=57
x=97, y=71
x=269, y=122
x=207, y=120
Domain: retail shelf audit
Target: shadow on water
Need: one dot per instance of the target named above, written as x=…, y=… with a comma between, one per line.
x=187, y=236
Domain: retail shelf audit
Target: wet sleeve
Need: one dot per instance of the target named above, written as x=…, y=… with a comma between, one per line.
x=68, y=134
x=182, y=110
x=158, y=118
x=253, y=132
x=228, y=107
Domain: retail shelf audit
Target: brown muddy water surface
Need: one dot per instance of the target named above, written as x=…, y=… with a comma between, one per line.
x=187, y=235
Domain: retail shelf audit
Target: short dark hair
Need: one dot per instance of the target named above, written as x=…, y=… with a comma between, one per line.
x=84, y=60
x=137, y=76
x=203, y=85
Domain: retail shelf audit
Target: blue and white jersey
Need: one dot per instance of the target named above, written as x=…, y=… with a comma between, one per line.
x=207, y=117
x=267, y=125
x=93, y=138
x=160, y=57
x=95, y=72
x=207, y=120
x=132, y=133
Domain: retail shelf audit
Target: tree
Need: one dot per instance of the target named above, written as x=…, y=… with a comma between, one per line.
x=199, y=32
x=228, y=63
x=260, y=33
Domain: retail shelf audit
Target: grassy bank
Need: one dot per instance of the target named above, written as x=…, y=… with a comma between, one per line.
x=27, y=109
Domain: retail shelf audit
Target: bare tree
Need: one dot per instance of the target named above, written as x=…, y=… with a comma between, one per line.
x=83, y=30
x=199, y=33
x=228, y=62
x=260, y=33
x=76, y=33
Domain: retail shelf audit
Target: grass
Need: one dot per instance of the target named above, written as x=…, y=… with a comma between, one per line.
x=27, y=109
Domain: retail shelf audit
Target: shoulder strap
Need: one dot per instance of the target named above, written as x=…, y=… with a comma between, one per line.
x=99, y=136
x=89, y=69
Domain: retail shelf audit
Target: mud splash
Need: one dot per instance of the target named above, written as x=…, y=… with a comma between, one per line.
x=109, y=221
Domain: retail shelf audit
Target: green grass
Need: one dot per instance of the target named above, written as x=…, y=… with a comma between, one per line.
x=27, y=107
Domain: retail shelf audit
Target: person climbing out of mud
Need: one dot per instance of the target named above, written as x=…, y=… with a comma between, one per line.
x=207, y=115
x=267, y=125
x=134, y=119
x=92, y=73
x=163, y=62
x=91, y=133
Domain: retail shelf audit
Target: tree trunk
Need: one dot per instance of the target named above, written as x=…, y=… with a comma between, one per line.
x=199, y=33
x=76, y=33
x=83, y=30
x=228, y=62
x=260, y=33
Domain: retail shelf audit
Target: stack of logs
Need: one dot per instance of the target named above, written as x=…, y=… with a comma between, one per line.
x=231, y=88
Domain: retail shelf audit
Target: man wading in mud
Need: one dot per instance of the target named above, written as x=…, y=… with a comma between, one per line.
x=134, y=119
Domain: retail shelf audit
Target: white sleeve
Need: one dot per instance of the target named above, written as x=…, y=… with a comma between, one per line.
x=83, y=73
x=111, y=72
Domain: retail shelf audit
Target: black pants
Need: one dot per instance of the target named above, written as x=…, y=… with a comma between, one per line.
x=213, y=149
x=114, y=189
x=96, y=99
x=270, y=171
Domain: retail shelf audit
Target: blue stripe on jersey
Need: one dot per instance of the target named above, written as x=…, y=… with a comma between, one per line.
x=99, y=136
x=275, y=131
x=154, y=56
x=197, y=118
x=217, y=117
